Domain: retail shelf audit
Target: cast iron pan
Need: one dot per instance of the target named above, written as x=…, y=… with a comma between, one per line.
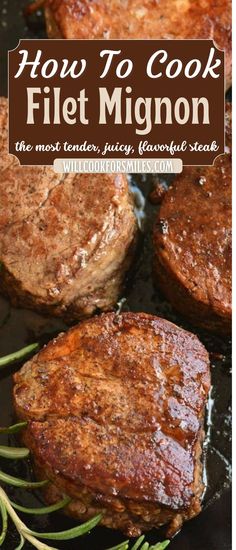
x=211, y=530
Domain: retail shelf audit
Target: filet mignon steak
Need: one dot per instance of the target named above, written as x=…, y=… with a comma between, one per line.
x=162, y=19
x=66, y=241
x=192, y=242
x=115, y=411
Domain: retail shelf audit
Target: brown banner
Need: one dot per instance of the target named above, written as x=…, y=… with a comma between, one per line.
x=116, y=98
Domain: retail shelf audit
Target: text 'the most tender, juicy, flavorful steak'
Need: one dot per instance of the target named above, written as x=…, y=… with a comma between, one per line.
x=115, y=411
x=153, y=19
x=193, y=242
x=66, y=241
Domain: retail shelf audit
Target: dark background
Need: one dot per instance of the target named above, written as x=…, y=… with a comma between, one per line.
x=212, y=529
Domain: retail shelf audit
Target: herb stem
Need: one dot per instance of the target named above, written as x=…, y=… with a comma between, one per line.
x=13, y=452
x=20, y=526
x=4, y=522
x=43, y=510
x=17, y=355
x=13, y=429
x=17, y=482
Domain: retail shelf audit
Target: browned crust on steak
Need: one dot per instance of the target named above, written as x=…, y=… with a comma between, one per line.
x=178, y=19
x=66, y=241
x=192, y=242
x=115, y=409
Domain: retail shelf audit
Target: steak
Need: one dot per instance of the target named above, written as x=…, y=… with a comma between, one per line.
x=192, y=242
x=66, y=241
x=162, y=19
x=115, y=411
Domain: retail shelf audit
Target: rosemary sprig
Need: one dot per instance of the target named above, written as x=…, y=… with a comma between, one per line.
x=4, y=522
x=13, y=429
x=7, y=507
x=70, y=533
x=18, y=482
x=44, y=509
x=22, y=542
x=24, y=532
x=160, y=545
x=13, y=452
x=140, y=544
x=122, y=546
x=17, y=355
x=32, y=536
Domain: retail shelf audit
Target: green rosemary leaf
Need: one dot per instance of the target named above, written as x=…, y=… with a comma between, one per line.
x=145, y=546
x=70, y=533
x=42, y=510
x=22, y=529
x=17, y=355
x=4, y=522
x=13, y=429
x=122, y=546
x=138, y=543
x=22, y=542
x=160, y=545
x=17, y=482
x=13, y=452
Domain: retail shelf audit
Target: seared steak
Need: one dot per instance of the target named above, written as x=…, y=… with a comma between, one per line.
x=66, y=241
x=192, y=241
x=162, y=19
x=115, y=411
